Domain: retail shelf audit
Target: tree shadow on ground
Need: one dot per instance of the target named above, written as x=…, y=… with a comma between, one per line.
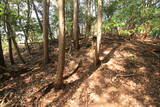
x=150, y=95
x=70, y=88
x=111, y=53
x=141, y=71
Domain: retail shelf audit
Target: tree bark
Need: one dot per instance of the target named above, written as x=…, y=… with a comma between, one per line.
x=88, y=18
x=17, y=50
x=99, y=24
x=27, y=29
x=8, y=33
x=11, y=37
x=2, y=62
x=45, y=29
x=39, y=21
x=75, y=24
x=10, y=50
x=61, y=44
x=49, y=28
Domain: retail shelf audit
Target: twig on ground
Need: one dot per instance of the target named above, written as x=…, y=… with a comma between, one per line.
x=74, y=71
x=125, y=75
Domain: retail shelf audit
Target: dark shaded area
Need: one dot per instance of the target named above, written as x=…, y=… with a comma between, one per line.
x=43, y=77
x=110, y=55
x=71, y=88
x=7, y=74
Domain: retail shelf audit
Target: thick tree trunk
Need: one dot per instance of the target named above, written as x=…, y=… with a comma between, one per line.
x=61, y=44
x=75, y=24
x=99, y=23
x=2, y=62
x=45, y=29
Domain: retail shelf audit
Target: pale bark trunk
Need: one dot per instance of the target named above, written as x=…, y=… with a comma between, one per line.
x=61, y=44
x=45, y=29
x=99, y=23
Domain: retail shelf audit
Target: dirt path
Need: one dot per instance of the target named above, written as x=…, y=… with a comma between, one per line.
x=129, y=76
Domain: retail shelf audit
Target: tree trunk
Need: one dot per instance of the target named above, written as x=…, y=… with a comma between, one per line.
x=45, y=29
x=2, y=62
x=75, y=24
x=10, y=49
x=8, y=33
x=61, y=44
x=49, y=27
x=17, y=50
x=27, y=29
x=39, y=21
x=99, y=24
x=88, y=19
x=11, y=36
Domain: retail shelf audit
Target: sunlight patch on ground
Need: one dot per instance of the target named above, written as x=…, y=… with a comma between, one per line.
x=106, y=52
x=142, y=69
x=127, y=100
x=27, y=80
x=114, y=65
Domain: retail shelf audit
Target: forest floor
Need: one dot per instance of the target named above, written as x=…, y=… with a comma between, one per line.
x=128, y=76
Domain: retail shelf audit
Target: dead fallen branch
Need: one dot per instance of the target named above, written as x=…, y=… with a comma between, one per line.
x=74, y=71
x=155, y=54
x=125, y=75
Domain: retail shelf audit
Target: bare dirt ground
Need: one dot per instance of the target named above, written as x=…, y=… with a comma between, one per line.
x=128, y=76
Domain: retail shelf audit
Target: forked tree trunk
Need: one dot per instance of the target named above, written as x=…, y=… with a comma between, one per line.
x=61, y=44
x=75, y=24
x=11, y=36
x=8, y=33
x=99, y=24
x=10, y=48
x=45, y=29
x=2, y=62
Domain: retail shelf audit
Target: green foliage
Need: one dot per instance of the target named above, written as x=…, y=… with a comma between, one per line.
x=69, y=26
x=154, y=33
x=1, y=9
x=132, y=60
x=124, y=32
x=130, y=16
